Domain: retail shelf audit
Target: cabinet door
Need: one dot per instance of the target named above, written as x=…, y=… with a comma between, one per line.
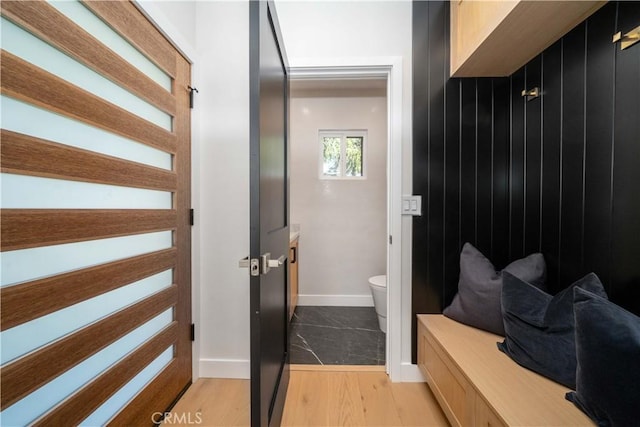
x=293, y=277
x=472, y=22
x=495, y=38
x=454, y=394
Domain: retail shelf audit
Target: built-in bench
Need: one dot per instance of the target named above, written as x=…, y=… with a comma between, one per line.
x=478, y=385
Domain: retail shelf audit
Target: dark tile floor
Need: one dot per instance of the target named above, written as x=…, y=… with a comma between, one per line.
x=336, y=336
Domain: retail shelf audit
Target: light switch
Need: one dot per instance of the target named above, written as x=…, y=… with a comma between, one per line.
x=412, y=205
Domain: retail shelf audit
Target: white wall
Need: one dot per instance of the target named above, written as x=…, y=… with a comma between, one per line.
x=319, y=32
x=215, y=36
x=343, y=222
x=222, y=223
x=181, y=13
x=177, y=20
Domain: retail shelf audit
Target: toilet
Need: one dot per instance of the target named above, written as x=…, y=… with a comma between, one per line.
x=378, y=285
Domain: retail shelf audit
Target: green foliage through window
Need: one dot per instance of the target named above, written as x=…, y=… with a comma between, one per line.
x=342, y=154
x=354, y=156
x=331, y=155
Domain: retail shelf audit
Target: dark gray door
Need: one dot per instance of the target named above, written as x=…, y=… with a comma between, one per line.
x=269, y=217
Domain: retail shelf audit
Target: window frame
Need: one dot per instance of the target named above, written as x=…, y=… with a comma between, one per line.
x=343, y=135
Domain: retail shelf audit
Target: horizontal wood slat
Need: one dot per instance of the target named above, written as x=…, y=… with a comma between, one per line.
x=154, y=399
x=25, y=81
x=127, y=20
x=30, y=372
x=27, y=301
x=26, y=155
x=79, y=406
x=29, y=228
x=52, y=26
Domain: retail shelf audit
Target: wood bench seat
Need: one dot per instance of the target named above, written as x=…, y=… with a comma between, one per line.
x=478, y=385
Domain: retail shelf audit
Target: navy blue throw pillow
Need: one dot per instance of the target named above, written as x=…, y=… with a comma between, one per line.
x=608, y=351
x=477, y=302
x=540, y=328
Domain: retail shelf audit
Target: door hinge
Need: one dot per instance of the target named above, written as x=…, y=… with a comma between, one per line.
x=193, y=332
x=390, y=239
x=191, y=217
x=191, y=90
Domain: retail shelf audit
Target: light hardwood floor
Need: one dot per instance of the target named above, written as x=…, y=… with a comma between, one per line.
x=317, y=398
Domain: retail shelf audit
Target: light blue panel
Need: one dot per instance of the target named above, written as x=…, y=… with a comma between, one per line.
x=28, y=409
x=30, y=264
x=85, y=19
x=30, y=120
x=30, y=48
x=113, y=405
x=29, y=192
x=29, y=336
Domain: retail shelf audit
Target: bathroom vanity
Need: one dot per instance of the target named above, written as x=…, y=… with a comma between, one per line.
x=293, y=272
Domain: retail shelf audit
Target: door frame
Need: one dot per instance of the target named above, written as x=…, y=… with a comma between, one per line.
x=389, y=68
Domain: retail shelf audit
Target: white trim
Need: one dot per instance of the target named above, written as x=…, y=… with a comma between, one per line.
x=391, y=69
x=411, y=373
x=225, y=368
x=336, y=300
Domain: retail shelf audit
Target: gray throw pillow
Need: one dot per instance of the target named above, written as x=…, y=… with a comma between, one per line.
x=608, y=353
x=540, y=331
x=477, y=302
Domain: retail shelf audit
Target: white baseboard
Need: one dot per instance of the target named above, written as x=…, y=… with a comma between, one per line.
x=410, y=373
x=336, y=300
x=225, y=368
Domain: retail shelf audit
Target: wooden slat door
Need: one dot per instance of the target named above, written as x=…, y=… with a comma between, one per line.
x=87, y=277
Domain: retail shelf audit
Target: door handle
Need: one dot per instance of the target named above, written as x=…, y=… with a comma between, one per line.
x=277, y=262
x=267, y=263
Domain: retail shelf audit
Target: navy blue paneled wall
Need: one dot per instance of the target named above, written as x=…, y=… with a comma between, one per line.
x=559, y=174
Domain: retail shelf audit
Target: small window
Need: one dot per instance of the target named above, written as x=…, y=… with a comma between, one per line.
x=342, y=154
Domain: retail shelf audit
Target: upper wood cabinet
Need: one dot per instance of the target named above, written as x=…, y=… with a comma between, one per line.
x=495, y=38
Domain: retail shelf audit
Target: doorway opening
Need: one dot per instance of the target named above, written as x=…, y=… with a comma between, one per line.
x=338, y=170
x=381, y=83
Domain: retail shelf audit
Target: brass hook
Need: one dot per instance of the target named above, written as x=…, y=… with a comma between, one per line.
x=531, y=93
x=629, y=39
